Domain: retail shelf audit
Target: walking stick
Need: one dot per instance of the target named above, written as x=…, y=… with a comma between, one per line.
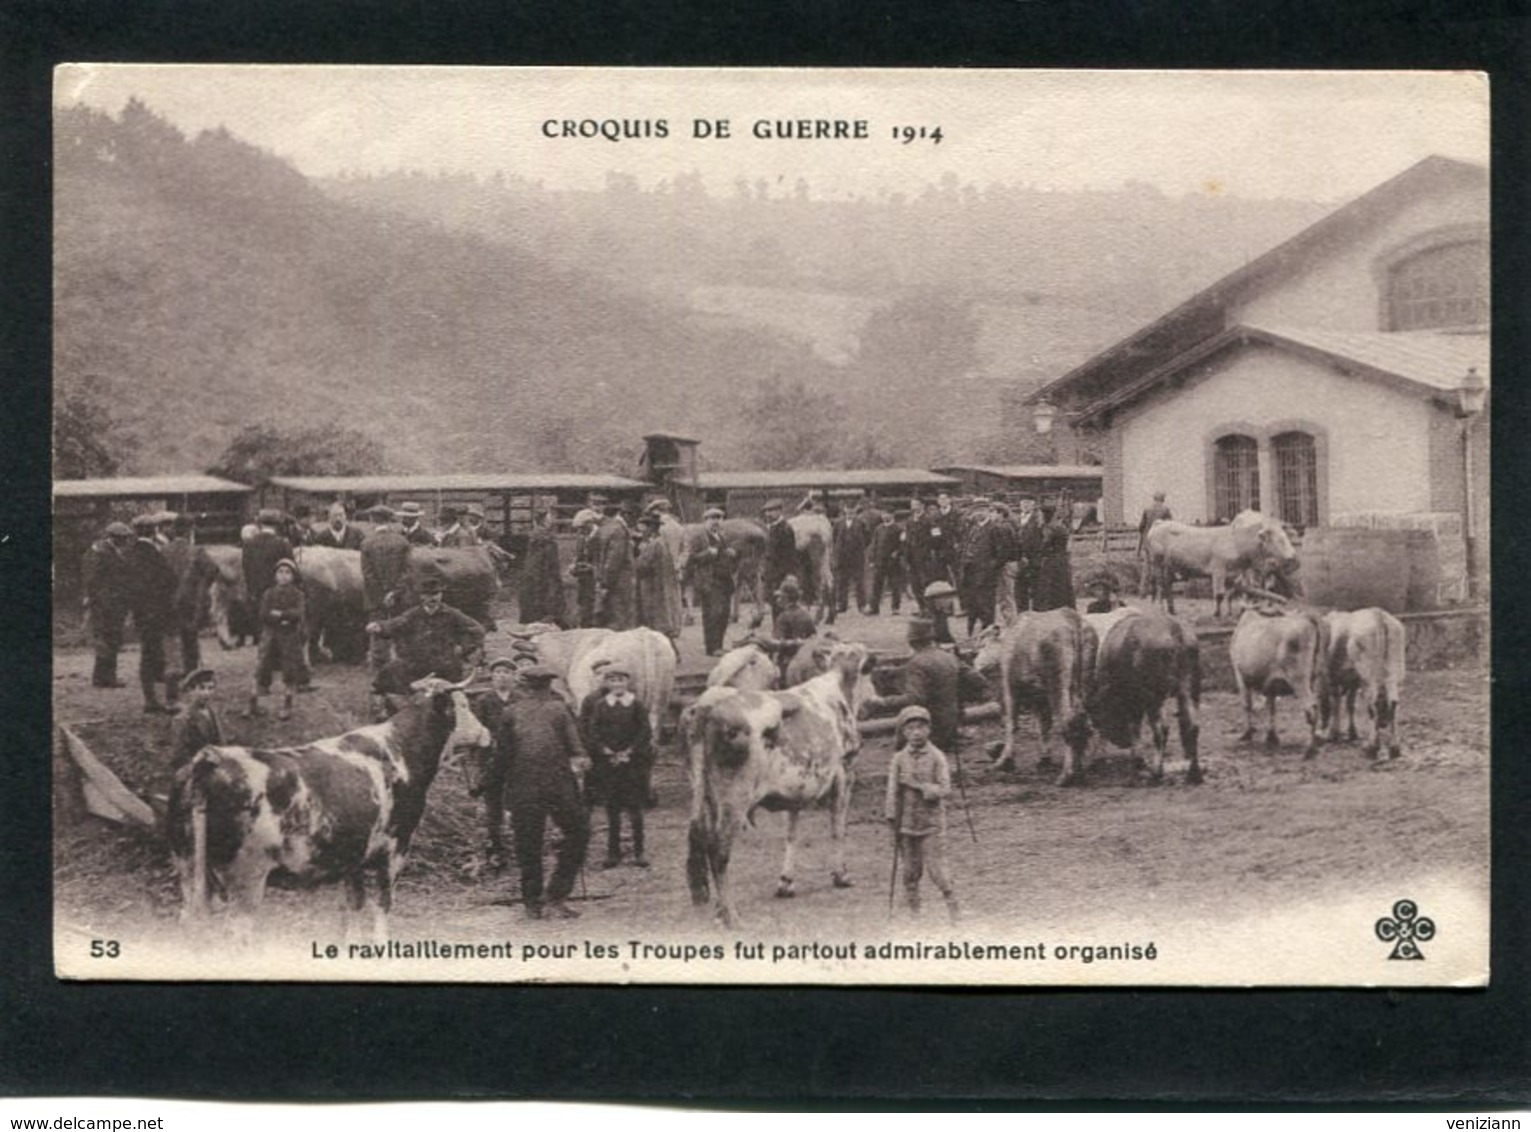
x=898, y=821
x=962, y=791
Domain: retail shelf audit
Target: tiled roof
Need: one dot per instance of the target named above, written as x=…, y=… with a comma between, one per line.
x=1425, y=362
x=1428, y=357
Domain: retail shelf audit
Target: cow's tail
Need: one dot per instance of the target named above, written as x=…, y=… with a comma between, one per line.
x=197, y=890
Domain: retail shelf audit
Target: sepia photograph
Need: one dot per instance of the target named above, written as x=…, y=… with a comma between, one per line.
x=771, y=526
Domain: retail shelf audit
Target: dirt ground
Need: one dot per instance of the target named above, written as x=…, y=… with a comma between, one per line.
x=1264, y=827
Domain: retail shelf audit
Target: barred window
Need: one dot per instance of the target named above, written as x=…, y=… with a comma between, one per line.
x=1236, y=471
x=1442, y=287
x=1296, y=459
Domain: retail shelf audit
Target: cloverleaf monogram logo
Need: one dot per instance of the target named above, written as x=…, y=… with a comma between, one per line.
x=1405, y=929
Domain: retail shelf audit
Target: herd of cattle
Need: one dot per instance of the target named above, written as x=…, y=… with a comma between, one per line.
x=345, y=807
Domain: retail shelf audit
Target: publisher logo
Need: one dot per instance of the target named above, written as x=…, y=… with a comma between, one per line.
x=1405, y=929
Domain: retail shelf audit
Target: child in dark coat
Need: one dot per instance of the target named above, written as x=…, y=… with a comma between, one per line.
x=284, y=639
x=615, y=728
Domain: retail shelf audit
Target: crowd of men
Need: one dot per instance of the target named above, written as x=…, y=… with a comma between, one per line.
x=996, y=558
x=145, y=571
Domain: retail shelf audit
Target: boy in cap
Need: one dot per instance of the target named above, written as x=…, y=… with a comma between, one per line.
x=614, y=725
x=485, y=770
x=199, y=724
x=260, y=554
x=284, y=639
x=918, y=782
x=543, y=763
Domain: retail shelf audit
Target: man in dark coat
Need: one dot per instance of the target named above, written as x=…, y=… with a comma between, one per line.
x=432, y=638
x=980, y=565
x=935, y=680
x=262, y=551
x=541, y=595
x=658, y=585
x=544, y=763
x=1028, y=548
x=616, y=594
x=888, y=551
x=338, y=532
x=151, y=596
x=711, y=567
x=384, y=567
x=587, y=560
x=1054, y=582
x=947, y=528
x=183, y=558
x=780, y=550
x=849, y=558
x=105, y=573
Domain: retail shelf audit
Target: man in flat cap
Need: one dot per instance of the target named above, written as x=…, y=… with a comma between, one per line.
x=616, y=596
x=411, y=525
x=105, y=575
x=262, y=551
x=889, y=547
x=544, y=763
x=711, y=565
x=151, y=596
x=981, y=564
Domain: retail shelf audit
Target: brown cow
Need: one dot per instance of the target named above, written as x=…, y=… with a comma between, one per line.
x=1363, y=655
x=1143, y=660
x=1042, y=662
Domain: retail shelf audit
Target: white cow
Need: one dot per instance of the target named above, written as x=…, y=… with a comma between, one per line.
x=1363, y=655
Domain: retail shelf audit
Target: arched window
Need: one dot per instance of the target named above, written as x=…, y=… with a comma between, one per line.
x=1445, y=286
x=1236, y=475
x=1295, y=456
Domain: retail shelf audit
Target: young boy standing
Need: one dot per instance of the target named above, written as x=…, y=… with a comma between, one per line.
x=198, y=726
x=284, y=638
x=615, y=728
x=919, y=780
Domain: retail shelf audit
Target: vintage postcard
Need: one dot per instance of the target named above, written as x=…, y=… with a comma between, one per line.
x=771, y=526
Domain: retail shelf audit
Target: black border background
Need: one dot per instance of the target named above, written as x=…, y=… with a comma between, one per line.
x=776, y=1048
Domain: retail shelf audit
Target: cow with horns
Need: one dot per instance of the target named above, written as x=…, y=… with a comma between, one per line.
x=786, y=751
x=332, y=810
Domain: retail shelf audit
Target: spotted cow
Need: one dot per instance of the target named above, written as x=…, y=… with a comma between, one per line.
x=783, y=751
x=332, y=810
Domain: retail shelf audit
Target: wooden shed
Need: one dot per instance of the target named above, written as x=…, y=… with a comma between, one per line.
x=1083, y=481
x=742, y=494
x=509, y=499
